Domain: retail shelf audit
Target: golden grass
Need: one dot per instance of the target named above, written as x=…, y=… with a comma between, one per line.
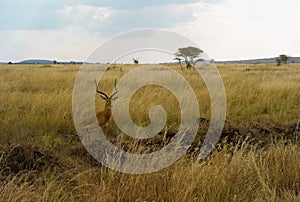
x=262, y=92
x=243, y=176
x=35, y=112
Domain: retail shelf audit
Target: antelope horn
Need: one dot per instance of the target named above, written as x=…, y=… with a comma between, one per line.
x=98, y=91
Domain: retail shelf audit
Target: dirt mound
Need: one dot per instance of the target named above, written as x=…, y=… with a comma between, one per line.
x=19, y=158
x=258, y=134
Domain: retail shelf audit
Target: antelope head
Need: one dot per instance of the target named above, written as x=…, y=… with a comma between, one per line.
x=105, y=97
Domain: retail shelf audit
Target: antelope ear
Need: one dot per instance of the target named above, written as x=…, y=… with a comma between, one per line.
x=114, y=98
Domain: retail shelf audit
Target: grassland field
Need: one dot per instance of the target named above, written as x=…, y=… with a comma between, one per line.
x=257, y=157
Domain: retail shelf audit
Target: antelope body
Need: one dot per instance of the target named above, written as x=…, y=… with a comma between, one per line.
x=104, y=116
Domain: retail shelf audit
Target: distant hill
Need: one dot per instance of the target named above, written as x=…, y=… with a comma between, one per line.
x=263, y=60
x=39, y=61
x=33, y=61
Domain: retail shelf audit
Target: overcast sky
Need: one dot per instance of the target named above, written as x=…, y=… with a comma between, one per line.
x=73, y=29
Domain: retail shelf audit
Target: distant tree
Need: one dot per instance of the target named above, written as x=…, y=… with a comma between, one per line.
x=9, y=63
x=54, y=61
x=189, y=55
x=135, y=61
x=283, y=58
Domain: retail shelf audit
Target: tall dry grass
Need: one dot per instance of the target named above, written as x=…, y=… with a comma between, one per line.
x=245, y=175
x=35, y=112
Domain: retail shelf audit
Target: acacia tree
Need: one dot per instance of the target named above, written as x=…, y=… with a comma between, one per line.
x=283, y=58
x=190, y=55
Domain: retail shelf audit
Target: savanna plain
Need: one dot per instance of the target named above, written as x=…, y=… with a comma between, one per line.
x=257, y=157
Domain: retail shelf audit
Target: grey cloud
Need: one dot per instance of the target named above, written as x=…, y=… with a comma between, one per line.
x=124, y=15
x=167, y=16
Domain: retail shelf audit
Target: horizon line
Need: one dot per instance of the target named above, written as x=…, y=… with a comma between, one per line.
x=83, y=61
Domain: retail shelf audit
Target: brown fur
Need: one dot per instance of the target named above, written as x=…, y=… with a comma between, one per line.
x=104, y=116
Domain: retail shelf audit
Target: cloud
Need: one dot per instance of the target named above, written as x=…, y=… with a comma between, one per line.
x=108, y=21
x=45, y=28
x=62, y=45
x=237, y=29
x=225, y=29
x=94, y=15
x=108, y=18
